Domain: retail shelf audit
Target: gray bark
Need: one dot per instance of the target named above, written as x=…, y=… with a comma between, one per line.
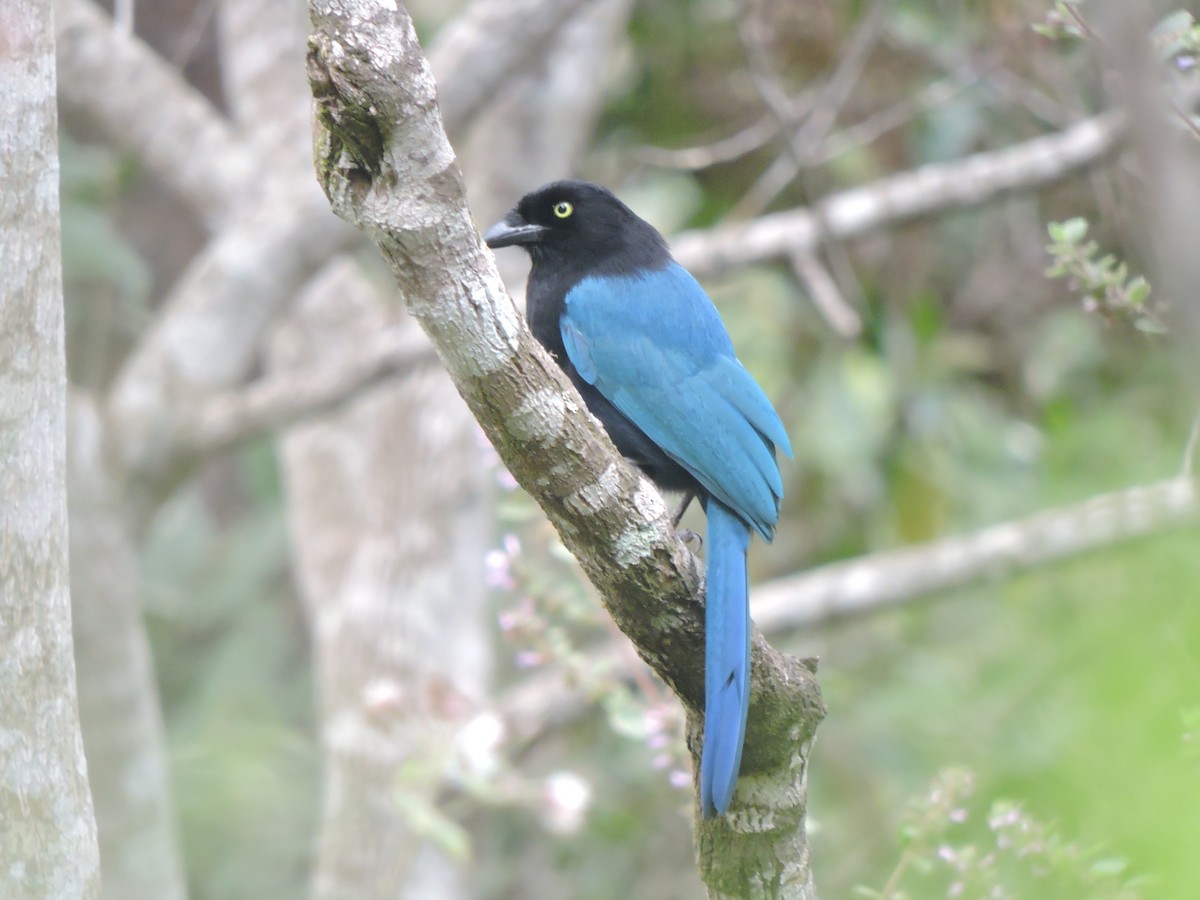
x=389, y=535
x=391, y=172
x=48, y=840
x=118, y=693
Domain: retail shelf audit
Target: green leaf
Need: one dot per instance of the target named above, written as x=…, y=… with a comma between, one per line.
x=1150, y=326
x=430, y=822
x=1074, y=230
x=1174, y=34
x=1112, y=865
x=1137, y=291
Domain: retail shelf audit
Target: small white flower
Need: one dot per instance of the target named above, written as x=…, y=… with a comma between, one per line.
x=566, y=797
x=479, y=741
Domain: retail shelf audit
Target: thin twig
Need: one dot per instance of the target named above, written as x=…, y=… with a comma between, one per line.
x=1088, y=31
x=822, y=114
x=758, y=63
x=828, y=300
x=874, y=126
x=1187, y=120
x=705, y=156
x=193, y=32
x=898, y=576
x=989, y=70
x=1094, y=36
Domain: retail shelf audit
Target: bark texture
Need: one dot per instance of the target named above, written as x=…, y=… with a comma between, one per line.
x=384, y=162
x=48, y=839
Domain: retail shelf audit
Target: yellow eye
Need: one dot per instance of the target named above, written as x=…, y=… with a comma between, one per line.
x=562, y=209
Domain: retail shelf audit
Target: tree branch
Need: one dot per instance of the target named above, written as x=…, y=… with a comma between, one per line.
x=934, y=188
x=803, y=142
x=227, y=419
x=275, y=234
x=476, y=54
x=207, y=335
x=549, y=700
x=385, y=505
x=859, y=586
x=391, y=172
x=147, y=109
x=119, y=703
x=48, y=838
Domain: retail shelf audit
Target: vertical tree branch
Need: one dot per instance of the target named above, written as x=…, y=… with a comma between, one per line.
x=118, y=692
x=48, y=837
x=478, y=53
x=385, y=511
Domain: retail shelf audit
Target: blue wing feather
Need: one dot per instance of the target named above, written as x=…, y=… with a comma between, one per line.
x=578, y=351
x=654, y=345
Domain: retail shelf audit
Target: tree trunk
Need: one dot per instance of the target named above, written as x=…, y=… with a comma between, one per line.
x=48, y=839
x=119, y=703
x=389, y=530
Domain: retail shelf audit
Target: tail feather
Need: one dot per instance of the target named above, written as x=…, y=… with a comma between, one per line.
x=726, y=658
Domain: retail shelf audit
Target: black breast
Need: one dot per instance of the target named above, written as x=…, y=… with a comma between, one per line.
x=545, y=303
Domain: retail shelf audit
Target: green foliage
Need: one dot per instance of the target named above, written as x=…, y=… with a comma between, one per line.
x=1067, y=689
x=1177, y=36
x=953, y=849
x=106, y=282
x=231, y=654
x=1104, y=282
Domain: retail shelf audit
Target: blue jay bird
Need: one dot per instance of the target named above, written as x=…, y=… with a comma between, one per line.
x=647, y=350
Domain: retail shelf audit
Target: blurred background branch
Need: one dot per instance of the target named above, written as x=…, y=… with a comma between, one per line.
x=929, y=190
x=825, y=594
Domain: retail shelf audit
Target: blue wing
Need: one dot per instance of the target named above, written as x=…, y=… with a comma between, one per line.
x=654, y=345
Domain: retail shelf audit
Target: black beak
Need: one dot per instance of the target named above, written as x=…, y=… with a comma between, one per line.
x=513, y=230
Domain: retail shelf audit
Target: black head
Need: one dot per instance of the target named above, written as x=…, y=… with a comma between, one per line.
x=577, y=223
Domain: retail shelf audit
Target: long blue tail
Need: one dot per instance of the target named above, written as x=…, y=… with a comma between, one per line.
x=726, y=658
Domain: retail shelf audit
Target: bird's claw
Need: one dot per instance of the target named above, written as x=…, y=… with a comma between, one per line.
x=691, y=539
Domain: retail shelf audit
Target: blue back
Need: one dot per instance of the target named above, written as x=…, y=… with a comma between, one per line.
x=655, y=346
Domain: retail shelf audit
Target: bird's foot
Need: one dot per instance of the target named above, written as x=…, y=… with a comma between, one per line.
x=687, y=501
x=691, y=539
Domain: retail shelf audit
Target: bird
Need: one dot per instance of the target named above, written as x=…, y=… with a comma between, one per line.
x=647, y=350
